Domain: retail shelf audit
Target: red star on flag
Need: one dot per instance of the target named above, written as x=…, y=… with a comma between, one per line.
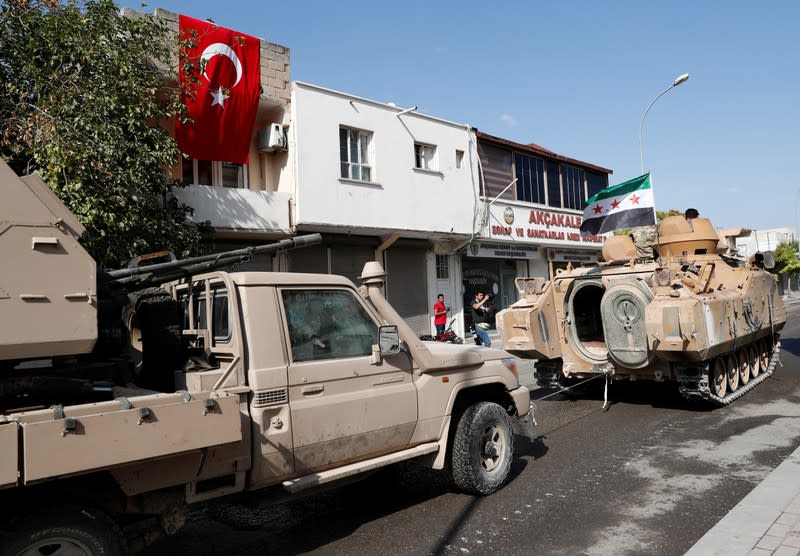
x=598, y=209
x=614, y=204
x=634, y=200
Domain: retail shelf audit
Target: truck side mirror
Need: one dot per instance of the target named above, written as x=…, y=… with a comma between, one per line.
x=389, y=339
x=769, y=260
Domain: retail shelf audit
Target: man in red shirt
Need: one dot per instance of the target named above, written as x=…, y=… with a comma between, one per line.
x=439, y=314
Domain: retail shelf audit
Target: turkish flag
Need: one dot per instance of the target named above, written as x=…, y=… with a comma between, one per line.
x=223, y=104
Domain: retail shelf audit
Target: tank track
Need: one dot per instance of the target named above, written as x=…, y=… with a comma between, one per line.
x=699, y=390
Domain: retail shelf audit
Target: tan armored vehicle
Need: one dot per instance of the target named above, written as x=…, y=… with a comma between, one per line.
x=118, y=405
x=686, y=315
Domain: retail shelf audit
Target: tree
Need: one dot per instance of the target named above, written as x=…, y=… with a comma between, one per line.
x=786, y=261
x=660, y=215
x=82, y=91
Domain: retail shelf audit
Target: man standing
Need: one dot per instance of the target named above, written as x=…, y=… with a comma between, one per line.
x=439, y=314
x=480, y=314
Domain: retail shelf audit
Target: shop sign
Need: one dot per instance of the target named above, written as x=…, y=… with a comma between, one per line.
x=502, y=250
x=572, y=255
x=538, y=226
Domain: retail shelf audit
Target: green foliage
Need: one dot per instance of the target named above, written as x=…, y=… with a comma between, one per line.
x=660, y=215
x=786, y=258
x=82, y=91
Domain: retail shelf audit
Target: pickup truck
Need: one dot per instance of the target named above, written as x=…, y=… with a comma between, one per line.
x=292, y=381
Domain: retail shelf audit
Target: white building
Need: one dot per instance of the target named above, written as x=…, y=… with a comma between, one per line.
x=763, y=240
x=382, y=183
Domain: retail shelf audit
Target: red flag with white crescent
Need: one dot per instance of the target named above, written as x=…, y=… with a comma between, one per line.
x=225, y=100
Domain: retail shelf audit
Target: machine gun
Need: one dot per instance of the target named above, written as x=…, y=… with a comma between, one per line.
x=139, y=276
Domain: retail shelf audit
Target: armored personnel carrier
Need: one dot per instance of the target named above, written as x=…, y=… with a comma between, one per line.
x=686, y=314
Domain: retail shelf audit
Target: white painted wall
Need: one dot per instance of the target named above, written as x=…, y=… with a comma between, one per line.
x=237, y=209
x=763, y=240
x=402, y=198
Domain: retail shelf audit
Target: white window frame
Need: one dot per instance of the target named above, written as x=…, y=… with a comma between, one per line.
x=423, y=162
x=217, y=174
x=442, y=267
x=364, y=150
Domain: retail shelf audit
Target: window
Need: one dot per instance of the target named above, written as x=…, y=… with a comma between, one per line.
x=459, y=159
x=327, y=324
x=529, y=173
x=220, y=314
x=595, y=182
x=572, y=183
x=213, y=172
x=354, y=154
x=442, y=267
x=424, y=156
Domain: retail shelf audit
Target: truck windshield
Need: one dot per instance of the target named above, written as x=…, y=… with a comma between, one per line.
x=327, y=324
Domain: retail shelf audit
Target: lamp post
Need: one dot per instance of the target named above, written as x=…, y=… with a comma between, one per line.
x=678, y=80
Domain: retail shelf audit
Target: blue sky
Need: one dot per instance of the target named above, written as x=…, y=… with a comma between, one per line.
x=576, y=78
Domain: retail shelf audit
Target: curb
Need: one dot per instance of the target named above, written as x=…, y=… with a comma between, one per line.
x=748, y=522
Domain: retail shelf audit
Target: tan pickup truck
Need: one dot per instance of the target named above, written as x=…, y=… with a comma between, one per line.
x=279, y=379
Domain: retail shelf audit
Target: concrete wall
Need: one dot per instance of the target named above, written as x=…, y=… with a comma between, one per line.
x=763, y=240
x=399, y=197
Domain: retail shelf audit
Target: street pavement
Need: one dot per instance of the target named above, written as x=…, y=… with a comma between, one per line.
x=766, y=521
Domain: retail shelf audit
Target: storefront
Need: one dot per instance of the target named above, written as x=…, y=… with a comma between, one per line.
x=520, y=241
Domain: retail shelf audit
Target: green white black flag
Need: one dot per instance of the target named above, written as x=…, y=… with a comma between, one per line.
x=625, y=205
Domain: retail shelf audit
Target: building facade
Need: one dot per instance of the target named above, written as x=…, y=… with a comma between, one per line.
x=382, y=183
x=445, y=208
x=532, y=205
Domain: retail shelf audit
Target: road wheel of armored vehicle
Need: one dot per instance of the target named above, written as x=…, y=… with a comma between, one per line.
x=733, y=372
x=745, y=369
x=755, y=362
x=65, y=531
x=482, y=448
x=765, y=350
x=719, y=377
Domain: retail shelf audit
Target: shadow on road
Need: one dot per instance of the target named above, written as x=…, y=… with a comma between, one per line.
x=255, y=525
x=662, y=395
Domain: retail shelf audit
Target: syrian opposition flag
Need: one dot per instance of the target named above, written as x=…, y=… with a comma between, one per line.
x=222, y=106
x=625, y=205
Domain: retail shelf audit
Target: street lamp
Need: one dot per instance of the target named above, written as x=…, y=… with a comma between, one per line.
x=678, y=80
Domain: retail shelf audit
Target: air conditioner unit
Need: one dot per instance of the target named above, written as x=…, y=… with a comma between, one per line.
x=271, y=138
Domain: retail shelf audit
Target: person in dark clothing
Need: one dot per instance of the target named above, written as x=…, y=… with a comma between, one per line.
x=480, y=315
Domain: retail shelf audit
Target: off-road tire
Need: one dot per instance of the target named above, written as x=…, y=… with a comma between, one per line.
x=482, y=428
x=62, y=528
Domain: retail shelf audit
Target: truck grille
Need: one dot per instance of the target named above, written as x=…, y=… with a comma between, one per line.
x=270, y=397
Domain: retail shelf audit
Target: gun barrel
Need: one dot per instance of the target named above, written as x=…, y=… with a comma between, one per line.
x=172, y=270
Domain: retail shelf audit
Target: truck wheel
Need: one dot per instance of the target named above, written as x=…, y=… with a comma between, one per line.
x=482, y=449
x=68, y=530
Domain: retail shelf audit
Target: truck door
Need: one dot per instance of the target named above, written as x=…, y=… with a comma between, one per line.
x=343, y=408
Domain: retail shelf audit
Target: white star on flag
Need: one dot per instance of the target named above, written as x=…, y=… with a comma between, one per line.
x=220, y=96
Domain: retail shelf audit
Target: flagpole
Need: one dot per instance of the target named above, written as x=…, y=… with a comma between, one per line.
x=653, y=194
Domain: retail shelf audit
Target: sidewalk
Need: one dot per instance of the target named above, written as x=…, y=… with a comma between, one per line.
x=766, y=521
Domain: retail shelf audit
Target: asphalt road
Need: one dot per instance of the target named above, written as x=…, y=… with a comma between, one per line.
x=649, y=475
